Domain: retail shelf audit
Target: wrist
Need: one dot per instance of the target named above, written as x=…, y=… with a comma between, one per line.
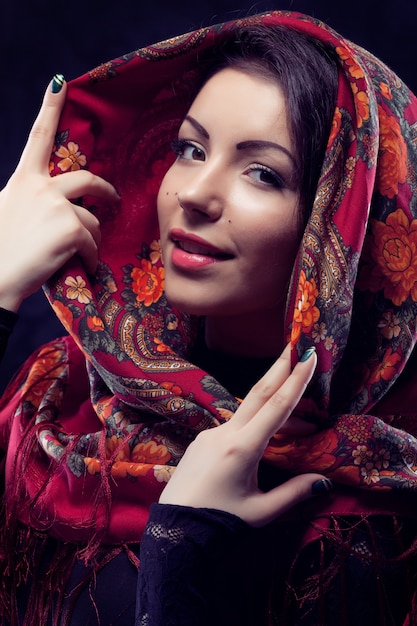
x=10, y=298
x=10, y=303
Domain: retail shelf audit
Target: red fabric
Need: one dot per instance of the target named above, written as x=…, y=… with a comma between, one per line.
x=98, y=465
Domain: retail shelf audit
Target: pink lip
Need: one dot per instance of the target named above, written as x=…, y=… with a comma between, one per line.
x=192, y=252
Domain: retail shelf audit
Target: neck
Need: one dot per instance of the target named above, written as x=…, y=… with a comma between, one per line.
x=241, y=337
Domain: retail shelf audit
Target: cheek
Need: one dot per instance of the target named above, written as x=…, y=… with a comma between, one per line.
x=265, y=241
x=271, y=256
x=165, y=200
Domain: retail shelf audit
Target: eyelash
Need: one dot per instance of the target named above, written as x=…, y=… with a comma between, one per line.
x=277, y=181
x=179, y=145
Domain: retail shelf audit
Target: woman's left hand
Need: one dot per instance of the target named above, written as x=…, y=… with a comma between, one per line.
x=219, y=469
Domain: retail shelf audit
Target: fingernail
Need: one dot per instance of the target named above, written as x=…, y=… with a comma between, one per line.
x=307, y=354
x=322, y=486
x=57, y=83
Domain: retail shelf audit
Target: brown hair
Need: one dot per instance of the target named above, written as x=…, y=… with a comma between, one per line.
x=306, y=71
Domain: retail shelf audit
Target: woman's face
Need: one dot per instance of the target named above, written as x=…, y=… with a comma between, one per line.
x=228, y=206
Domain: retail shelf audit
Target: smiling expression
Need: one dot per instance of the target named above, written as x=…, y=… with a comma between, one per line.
x=228, y=206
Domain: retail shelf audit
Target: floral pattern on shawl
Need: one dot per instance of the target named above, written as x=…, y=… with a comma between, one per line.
x=353, y=295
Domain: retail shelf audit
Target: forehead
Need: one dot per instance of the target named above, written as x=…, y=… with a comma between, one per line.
x=244, y=99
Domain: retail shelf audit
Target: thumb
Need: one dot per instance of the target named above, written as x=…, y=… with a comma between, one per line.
x=274, y=503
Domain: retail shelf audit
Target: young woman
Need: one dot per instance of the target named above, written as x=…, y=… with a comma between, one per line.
x=262, y=220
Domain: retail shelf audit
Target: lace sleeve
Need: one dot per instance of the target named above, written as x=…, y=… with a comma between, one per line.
x=189, y=574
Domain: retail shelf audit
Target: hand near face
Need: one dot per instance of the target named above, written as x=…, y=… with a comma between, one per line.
x=219, y=469
x=40, y=227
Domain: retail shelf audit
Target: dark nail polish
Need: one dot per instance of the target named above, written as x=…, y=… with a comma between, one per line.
x=57, y=83
x=307, y=354
x=322, y=486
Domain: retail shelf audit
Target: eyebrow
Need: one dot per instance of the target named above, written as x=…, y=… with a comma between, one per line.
x=252, y=144
x=200, y=129
x=259, y=144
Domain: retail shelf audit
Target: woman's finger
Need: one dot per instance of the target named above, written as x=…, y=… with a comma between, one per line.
x=262, y=391
x=76, y=184
x=265, y=507
x=88, y=251
x=90, y=223
x=80, y=235
x=37, y=152
x=276, y=410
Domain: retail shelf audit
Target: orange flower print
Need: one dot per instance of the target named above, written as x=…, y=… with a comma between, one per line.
x=162, y=347
x=104, y=408
x=393, y=155
x=354, y=69
x=172, y=387
x=336, y=125
x=369, y=463
x=94, y=323
x=148, y=282
x=329, y=342
x=93, y=465
x=63, y=313
x=362, y=106
x=156, y=251
x=385, y=90
x=394, y=252
x=115, y=446
x=387, y=368
x=389, y=325
x=313, y=454
x=369, y=474
x=77, y=290
x=39, y=378
x=361, y=455
x=306, y=313
x=71, y=157
x=382, y=459
x=150, y=452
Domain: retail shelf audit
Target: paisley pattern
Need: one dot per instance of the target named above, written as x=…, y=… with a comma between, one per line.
x=110, y=442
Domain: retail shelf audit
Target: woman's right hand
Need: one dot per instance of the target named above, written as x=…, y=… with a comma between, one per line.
x=219, y=469
x=40, y=227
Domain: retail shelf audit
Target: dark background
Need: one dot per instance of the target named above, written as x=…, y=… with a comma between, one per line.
x=39, y=38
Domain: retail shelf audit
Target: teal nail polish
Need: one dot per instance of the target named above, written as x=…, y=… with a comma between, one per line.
x=57, y=83
x=307, y=354
x=322, y=486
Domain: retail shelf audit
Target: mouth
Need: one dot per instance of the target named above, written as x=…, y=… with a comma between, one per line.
x=193, y=248
x=192, y=253
x=194, y=245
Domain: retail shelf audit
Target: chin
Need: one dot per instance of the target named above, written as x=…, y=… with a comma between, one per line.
x=191, y=306
x=189, y=309
x=183, y=304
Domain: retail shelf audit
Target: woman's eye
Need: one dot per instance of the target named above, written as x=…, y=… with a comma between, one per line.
x=265, y=176
x=187, y=150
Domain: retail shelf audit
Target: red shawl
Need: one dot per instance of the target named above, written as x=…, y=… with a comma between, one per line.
x=103, y=416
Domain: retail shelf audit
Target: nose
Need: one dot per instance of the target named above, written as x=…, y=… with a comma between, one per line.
x=203, y=195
